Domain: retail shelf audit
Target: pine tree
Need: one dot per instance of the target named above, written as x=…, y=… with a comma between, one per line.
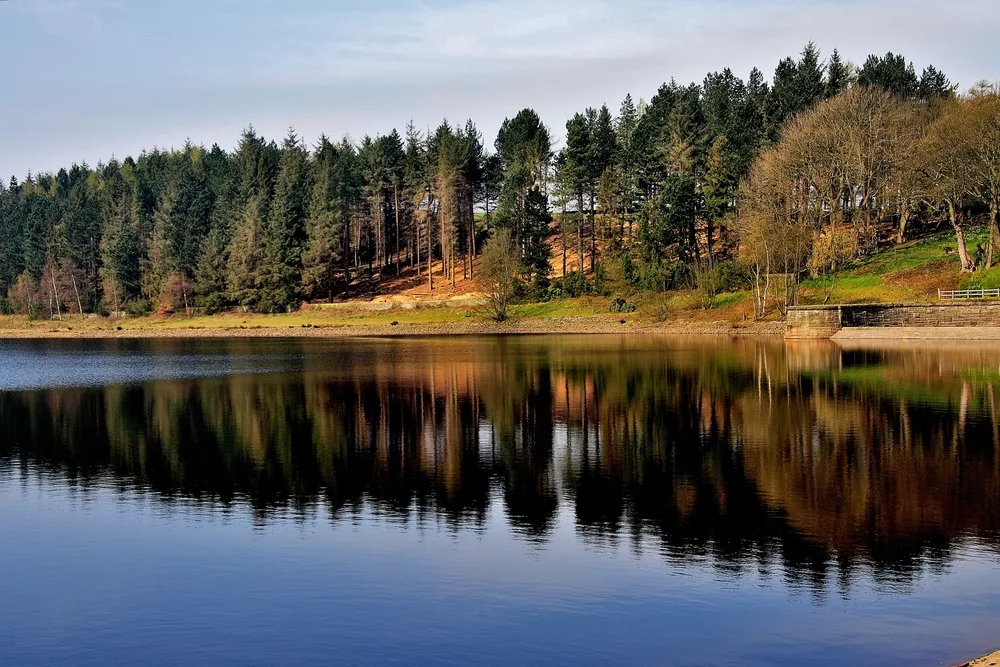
x=121, y=257
x=82, y=232
x=191, y=217
x=161, y=261
x=797, y=87
x=246, y=257
x=525, y=150
x=627, y=159
x=810, y=86
x=838, y=75
x=210, y=273
x=414, y=192
x=323, y=225
x=575, y=174
x=600, y=158
x=350, y=183
x=284, y=234
x=934, y=84
x=718, y=189
x=891, y=73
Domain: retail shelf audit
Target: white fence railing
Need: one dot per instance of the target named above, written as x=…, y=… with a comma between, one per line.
x=952, y=295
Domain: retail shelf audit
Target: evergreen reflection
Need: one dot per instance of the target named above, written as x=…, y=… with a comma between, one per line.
x=749, y=453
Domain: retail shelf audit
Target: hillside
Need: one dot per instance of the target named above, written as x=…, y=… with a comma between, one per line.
x=911, y=272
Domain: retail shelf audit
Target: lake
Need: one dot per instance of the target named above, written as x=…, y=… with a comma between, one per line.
x=507, y=500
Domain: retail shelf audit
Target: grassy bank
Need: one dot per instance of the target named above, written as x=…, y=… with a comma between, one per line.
x=911, y=272
x=580, y=315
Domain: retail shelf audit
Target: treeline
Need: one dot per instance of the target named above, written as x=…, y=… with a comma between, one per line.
x=646, y=198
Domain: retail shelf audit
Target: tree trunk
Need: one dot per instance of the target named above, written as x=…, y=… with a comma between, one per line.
x=993, y=234
x=693, y=238
x=904, y=219
x=593, y=233
x=708, y=236
x=963, y=252
x=76, y=289
x=395, y=206
x=347, y=252
x=472, y=239
x=55, y=291
x=430, y=258
x=579, y=232
x=562, y=228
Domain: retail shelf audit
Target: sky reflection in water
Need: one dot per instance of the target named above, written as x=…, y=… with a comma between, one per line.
x=497, y=500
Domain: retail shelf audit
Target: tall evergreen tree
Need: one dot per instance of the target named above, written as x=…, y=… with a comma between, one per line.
x=838, y=75
x=246, y=258
x=525, y=149
x=284, y=234
x=323, y=225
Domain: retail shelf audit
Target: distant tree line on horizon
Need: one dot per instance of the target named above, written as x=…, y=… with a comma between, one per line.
x=661, y=195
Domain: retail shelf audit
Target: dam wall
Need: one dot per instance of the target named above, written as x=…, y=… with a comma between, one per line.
x=826, y=321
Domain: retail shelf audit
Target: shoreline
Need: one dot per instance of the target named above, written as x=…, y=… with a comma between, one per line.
x=310, y=324
x=568, y=326
x=985, y=661
x=176, y=329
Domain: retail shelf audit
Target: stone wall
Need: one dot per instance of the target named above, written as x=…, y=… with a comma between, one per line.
x=824, y=321
x=813, y=321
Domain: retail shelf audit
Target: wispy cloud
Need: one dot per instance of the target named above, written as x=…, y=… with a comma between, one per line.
x=440, y=40
x=125, y=74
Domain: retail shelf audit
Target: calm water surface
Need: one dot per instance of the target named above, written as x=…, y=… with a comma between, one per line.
x=497, y=500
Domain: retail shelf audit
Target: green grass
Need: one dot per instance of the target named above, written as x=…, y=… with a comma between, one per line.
x=562, y=308
x=912, y=271
x=731, y=299
x=988, y=279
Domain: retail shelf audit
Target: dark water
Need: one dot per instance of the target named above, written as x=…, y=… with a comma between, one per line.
x=497, y=500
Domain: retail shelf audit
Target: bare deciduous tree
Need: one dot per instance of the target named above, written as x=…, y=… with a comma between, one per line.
x=498, y=273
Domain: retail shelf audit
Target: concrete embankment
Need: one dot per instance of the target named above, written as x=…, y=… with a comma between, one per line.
x=975, y=320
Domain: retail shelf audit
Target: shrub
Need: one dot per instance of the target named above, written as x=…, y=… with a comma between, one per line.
x=620, y=305
x=175, y=296
x=706, y=285
x=575, y=284
x=22, y=296
x=986, y=279
x=833, y=250
x=733, y=276
x=139, y=308
x=666, y=276
x=657, y=307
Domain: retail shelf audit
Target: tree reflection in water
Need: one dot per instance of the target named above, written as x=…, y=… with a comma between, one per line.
x=746, y=453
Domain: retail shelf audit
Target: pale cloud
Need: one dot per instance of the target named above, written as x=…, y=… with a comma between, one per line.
x=436, y=42
x=88, y=78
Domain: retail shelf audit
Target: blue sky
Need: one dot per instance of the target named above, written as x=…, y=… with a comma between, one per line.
x=87, y=79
